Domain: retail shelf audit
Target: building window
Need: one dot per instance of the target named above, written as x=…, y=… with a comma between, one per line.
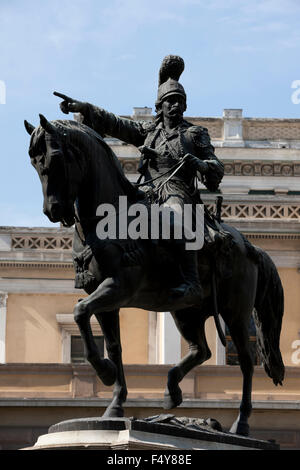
x=231, y=352
x=77, y=349
x=72, y=345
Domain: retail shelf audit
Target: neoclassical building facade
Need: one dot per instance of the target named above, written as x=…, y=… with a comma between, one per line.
x=43, y=376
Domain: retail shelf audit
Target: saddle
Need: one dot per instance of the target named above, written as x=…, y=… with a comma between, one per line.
x=216, y=251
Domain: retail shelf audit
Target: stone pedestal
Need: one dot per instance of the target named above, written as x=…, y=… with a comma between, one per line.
x=163, y=432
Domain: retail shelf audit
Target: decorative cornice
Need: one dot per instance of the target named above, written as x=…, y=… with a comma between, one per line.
x=265, y=168
x=261, y=167
x=262, y=210
x=272, y=236
x=32, y=265
x=238, y=211
x=41, y=242
x=233, y=208
x=39, y=285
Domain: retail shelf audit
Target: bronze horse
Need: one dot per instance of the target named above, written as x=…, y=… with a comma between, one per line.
x=78, y=172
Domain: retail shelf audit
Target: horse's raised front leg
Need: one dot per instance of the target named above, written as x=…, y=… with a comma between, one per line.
x=110, y=325
x=110, y=295
x=190, y=323
x=105, y=368
x=240, y=336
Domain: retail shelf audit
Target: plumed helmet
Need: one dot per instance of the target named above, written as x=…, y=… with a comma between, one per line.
x=170, y=70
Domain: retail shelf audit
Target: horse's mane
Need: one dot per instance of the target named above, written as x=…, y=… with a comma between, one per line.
x=68, y=127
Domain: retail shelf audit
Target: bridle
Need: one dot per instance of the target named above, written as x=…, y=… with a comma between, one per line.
x=64, y=142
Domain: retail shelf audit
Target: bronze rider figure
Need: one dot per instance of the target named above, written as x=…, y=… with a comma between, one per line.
x=164, y=143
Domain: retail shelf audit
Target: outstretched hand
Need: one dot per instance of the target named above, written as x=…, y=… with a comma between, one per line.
x=69, y=104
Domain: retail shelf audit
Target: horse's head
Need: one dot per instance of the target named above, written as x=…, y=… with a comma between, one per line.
x=74, y=163
x=54, y=162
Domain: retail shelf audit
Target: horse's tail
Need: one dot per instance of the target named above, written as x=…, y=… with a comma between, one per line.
x=269, y=307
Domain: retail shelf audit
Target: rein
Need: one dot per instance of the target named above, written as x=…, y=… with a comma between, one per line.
x=67, y=178
x=177, y=166
x=65, y=146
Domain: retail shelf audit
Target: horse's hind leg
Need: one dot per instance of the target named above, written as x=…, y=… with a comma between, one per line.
x=240, y=336
x=190, y=323
x=110, y=325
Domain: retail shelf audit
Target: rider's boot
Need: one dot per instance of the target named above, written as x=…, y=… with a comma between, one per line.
x=190, y=289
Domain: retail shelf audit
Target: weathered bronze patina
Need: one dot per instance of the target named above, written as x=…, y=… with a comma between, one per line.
x=228, y=276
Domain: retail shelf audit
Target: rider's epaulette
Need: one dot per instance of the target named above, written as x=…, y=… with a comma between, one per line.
x=199, y=136
x=148, y=127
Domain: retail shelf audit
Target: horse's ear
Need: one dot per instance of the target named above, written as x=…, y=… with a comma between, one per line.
x=47, y=125
x=29, y=127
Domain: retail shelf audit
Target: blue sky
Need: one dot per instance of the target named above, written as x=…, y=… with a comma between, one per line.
x=238, y=54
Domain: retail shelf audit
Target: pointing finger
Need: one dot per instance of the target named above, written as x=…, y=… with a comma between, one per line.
x=61, y=95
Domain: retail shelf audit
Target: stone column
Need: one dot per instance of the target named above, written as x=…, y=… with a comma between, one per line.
x=169, y=340
x=220, y=350
x=153, y=338
x=3, y=302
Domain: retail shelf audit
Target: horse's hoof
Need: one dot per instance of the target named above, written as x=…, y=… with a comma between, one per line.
x=242, y=429
x=110, y=375
x=172, y=400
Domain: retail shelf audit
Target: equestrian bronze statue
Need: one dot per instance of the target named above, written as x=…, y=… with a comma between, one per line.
x=228, y=276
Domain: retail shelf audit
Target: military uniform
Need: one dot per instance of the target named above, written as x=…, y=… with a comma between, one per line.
x=170, y=147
